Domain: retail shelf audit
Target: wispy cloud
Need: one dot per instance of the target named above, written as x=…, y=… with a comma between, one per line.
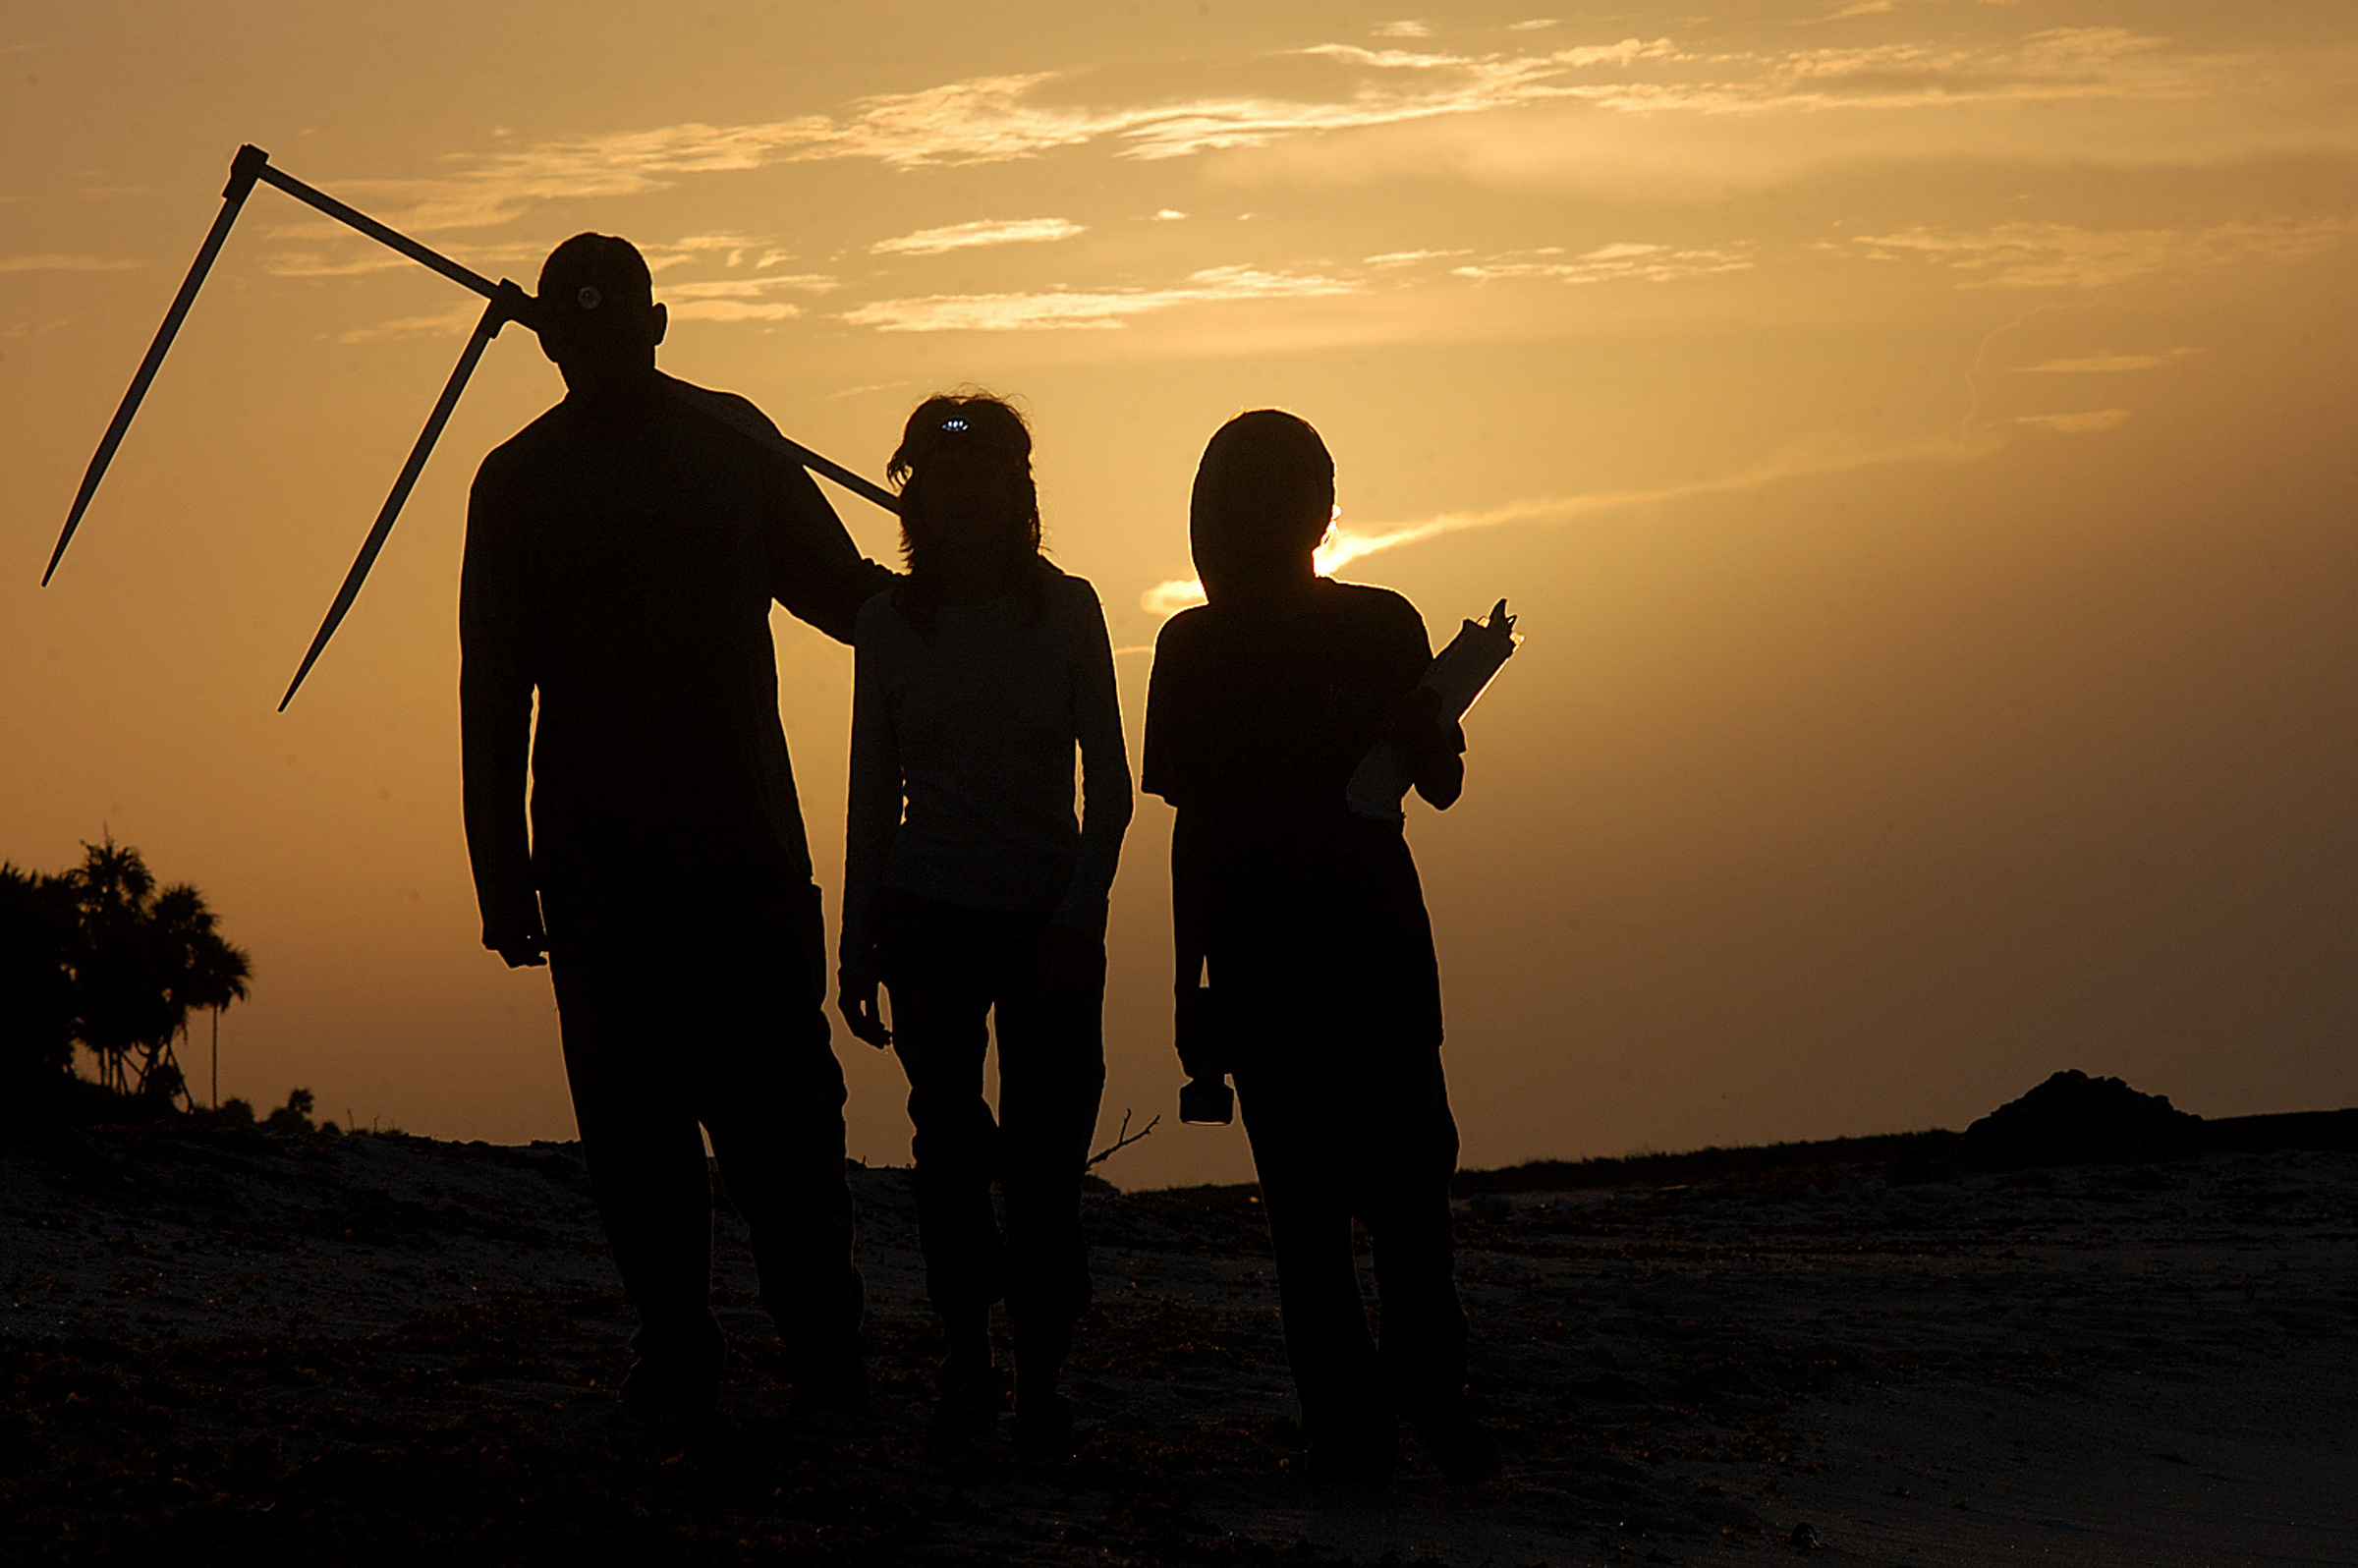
x=747, y=288
x=1000, y=118
x=966, y=236
x=736, y=309
x=2074, y=423
x=1083, y=309
x=1404, y=29
x=499, y=187
x=993, y=119
x=1649, y=263
x=733, y=249
x=321, y=264
x=58, y=261
x=349, y=255
x=2050, y=255
x=860, y=391
x=2057, y=65
x=1831, y=455
x=2103, y=364
x=452, y=324
x=741, y=298
x=738, y=299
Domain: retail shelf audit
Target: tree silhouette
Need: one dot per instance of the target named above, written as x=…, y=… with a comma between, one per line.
x=101, y=955
x=141, y=959
x=37, y=923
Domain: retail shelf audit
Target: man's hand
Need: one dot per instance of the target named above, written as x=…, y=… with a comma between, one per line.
x=522, y=950
x=1071, y=961
x=858, y=999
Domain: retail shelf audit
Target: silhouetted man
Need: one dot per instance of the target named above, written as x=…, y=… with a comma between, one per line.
x=622, y=554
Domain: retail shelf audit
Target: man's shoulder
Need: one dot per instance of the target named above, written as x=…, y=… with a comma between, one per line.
x=532, y=448
x=734, y=421
x=877, y=616
x=731, y=407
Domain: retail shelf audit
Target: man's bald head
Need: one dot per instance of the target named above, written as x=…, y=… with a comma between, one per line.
x=599, y=317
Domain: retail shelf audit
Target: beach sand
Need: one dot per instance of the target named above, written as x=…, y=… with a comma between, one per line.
x=246, y=1346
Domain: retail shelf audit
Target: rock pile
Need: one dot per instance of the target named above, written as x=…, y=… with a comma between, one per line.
x=2073, y=1119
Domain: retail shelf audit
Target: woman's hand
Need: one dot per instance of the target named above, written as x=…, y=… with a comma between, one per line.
x=1412, y=720
x=863, y=1008
x=1432, y=745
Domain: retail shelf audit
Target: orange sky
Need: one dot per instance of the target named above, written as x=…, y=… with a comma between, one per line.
x=1915, y=435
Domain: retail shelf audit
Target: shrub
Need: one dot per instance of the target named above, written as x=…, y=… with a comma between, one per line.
x=295, y=1116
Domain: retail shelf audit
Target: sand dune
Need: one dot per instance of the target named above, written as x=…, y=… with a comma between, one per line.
x=220, y=1346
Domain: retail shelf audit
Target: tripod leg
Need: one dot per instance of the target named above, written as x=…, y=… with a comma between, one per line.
x=242, y=175
x=495, y=316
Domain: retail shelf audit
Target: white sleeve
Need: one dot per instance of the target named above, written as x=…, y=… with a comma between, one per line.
x=873, y=805
x=1105, y=788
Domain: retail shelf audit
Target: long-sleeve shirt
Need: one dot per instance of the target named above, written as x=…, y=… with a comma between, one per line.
x=963, y=738
x=625, y=576
x=1308, y=919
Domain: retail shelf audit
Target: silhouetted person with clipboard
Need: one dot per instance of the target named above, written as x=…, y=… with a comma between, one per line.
x=1307, y=922
x=622, y=556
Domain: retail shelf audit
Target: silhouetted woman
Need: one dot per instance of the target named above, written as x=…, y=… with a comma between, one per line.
x=1323, y=998
x=970, y=890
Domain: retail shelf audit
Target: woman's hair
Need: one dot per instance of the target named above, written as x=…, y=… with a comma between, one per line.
x=985, y=431
x=1266, y=487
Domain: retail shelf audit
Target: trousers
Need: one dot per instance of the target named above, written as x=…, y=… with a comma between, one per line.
x=686, y=1003
x=948, y=968
x=1371, y=1140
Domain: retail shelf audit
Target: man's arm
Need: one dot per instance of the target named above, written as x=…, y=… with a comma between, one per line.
x=495, y=729
x=815, y=569
x=817, y=572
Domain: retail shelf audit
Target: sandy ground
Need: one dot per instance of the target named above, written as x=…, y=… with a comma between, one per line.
x=220, y=1346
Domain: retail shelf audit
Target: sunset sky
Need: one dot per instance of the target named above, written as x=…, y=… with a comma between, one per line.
x=1916, y=436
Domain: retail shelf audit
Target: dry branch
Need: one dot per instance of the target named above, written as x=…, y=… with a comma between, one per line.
x=1121, y=1141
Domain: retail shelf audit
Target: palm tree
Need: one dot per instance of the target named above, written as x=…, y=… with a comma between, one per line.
x=205, y=971
x=141, y=959
x=36, y=987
